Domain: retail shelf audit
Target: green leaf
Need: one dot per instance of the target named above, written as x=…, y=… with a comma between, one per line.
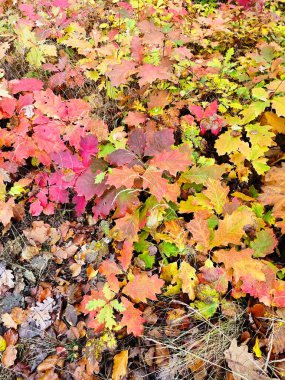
x=168, y=249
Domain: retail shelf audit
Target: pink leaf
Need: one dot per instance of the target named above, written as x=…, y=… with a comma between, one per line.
x=25, y=84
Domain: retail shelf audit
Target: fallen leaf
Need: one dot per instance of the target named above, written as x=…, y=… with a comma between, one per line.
x=120, y=365
x=9, y=356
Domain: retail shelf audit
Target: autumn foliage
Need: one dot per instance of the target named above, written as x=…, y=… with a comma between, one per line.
x=141, y=167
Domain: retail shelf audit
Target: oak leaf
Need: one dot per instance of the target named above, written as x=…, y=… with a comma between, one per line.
x=172, y=161
x=189, y=280
x=9, y=356
x=143, y=287
x=122, y=177
x=132, y=318
x=231, y=228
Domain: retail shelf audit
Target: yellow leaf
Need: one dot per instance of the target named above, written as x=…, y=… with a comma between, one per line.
x=227, y=143
x=242, y=196
x=260, y=93
x=217, y=194
x=277, y=123
x=49, y=50
x=120, y=365
x=278, y=104
x=256, y=349
x=187, y=275
x=2, y=344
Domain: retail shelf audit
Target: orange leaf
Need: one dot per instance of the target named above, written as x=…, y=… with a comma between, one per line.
x=143, y=287
x=120, y=365
x=126, y=255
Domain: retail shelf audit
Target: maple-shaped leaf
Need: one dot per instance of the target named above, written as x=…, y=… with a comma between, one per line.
x=143, y=287
x=149, y=73
x=159, y=186
x=214, y=275
x=173, y=161
x=135, y=118
x=159, y=141
x=274, y=189
x=231, y=228
x=126, y=255
x=124, y=176
x=120, y=73
x=25, y=84
x=217, y=194
x=241, y=262
x=105, y=203
x=132, y=318
x=264, y=243
x=227, y=143
x=200, y=231
x=77, y=109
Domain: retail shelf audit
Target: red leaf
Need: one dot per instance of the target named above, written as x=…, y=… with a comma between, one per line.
x=88, y=148
x=110, y=269
x=86, y=187
x=137, y=142
x=127, y=227
x=50, y=104
x=132, y=318
x=25, y=84
x=7, y=107
x=135, y=118
x=159, y=141
x=121, y=157
x=126, y=255
x=120, y=73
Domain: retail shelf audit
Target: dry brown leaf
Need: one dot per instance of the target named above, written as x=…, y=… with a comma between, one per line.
x=75, y=269
x=243, y=364
x=29, y=252
x=11, y=337
x=39, y=233
x=9, y=356
x=8, y=321
x=6, y=278
x=120, y=365
x=162, y=355
x=149, y=356
x=19, y=315
x=278, y=342
x=48, y=363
